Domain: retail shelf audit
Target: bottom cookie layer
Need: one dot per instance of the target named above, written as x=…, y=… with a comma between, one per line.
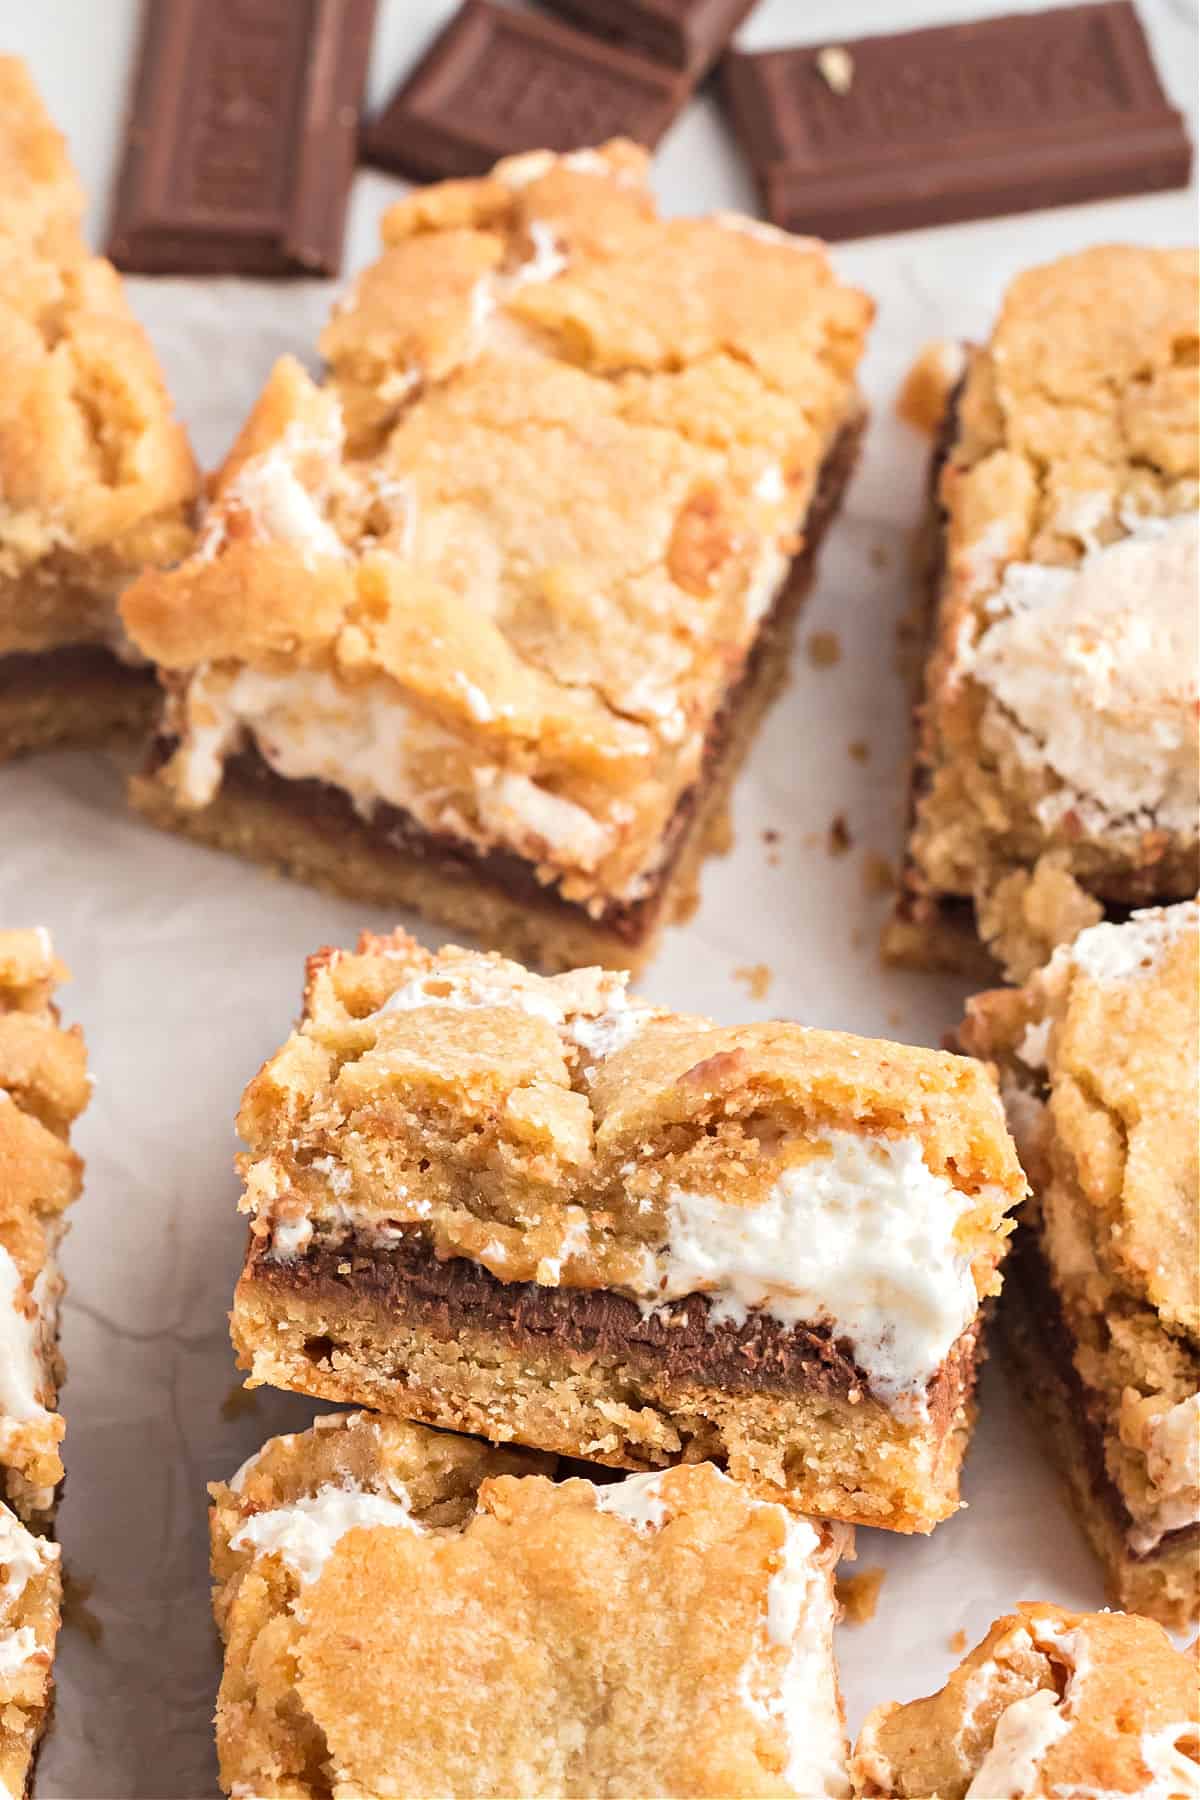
x=76, y=696
x=340, y=1333
x=1164, y=1584
x=311, y=831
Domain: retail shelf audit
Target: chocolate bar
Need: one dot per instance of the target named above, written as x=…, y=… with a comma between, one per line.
x=684, y=34
x=494, y=82
x=240, y=143
x=959, y=122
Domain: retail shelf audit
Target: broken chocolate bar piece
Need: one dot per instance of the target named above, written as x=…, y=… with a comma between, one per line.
x=240, y=143
x=684, y=34
x=494, y=82
x=957, y=122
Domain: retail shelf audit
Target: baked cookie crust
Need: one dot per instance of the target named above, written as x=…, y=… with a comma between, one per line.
x=43, y=1088
x=406, y=1612
x=1098, y=1059
x=483, y=622
x=1051, y=1702
x=1056, y=773
x=96, y=478
x=538, y=1209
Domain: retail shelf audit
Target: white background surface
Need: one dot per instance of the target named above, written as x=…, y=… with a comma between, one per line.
x=187, y=965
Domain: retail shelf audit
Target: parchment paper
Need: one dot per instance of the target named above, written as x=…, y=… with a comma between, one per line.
x=187, y=968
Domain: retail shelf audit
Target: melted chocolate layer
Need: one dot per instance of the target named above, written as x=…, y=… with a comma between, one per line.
x=682, y=1342
x=1028, y=1265
x=70, y=666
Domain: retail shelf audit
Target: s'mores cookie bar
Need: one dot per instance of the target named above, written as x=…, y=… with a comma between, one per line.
x=1098, y=1055
x=483, y=623
x=30, y=1611
x=406, y=1612
x=1050, y=1703
x=43, y=1088
x=1056, y=771
x=96, y=478
x=536, y=1209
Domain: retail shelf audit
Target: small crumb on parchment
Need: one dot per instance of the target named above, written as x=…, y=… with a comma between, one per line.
x=858, y=1595
x=824, y=649
x=958, y=1642
x=77, y=1615
x=757, y=979
x=239, y=1402
x=880, y=556
x=927, y=386
x=878, y=874
x=840, y=838
x=770, y=838
x=836, y=68
x=718, y=833
x=860, y=750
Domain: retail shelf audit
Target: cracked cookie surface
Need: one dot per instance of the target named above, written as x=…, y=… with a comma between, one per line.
x=1056, y=765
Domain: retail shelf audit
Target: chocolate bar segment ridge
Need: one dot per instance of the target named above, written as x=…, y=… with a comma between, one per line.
x=957, y=122
x=241, y=138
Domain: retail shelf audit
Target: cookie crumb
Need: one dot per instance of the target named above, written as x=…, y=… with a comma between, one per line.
x=880, y=556
x=860, y=751
x=858, y=1595
x=824, y=649
x=840, y=839
x=926, y=388
x=718, y=835
x=757, y=977
x=239, y=1402
x=878, y=875
x=77, y=1615
x=836, y=68
x=958, y=1642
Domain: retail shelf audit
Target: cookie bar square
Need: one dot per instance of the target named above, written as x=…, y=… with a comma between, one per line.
x=483, y=622
x=1098, y=1054
x=43, y=1088
x=1056, y=772
x=96, y=478
x=30, y=1612
x=537, y=1209
x=1051, y=1702
x=407, y=1612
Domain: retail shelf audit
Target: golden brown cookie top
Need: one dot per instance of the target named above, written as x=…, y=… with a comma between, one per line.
x=551, y=1638
x=1105, y=1037
x=1062, y=686
x=43, y=1087
x=1051, y=1702
x=92, y=461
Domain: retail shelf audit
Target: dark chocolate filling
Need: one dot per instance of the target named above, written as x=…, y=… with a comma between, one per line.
x=68, y=665
x=680, y=1342
x=1029, y=1268
x=391, y=828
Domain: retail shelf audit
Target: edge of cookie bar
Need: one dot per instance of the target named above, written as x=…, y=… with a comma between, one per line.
x=587, y=1373
x=81, y=694
x=928, y=930
x=1164, y=1584
x=311, y=831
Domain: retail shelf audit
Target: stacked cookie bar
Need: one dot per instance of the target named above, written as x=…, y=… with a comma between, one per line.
x=43, y=1088
x=1056, y=770
x=1098, y=1054
x=483, y=622
x=96, y=478
x=745, y=1264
